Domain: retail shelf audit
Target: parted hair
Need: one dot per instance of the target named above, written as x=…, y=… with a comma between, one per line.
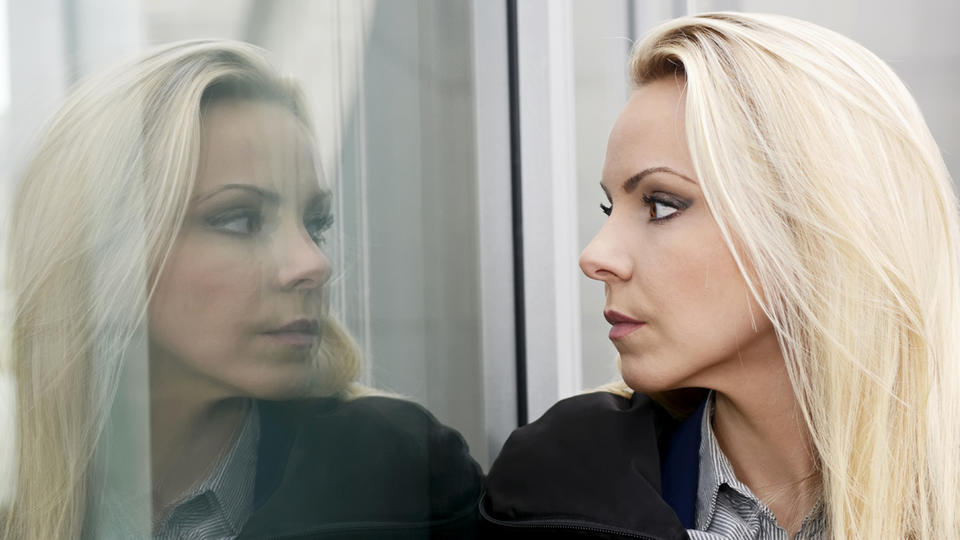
x=832, y=195
x=93, y=220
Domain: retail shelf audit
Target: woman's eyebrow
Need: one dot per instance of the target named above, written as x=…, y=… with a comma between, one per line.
x=631, y=183
x=268, y=195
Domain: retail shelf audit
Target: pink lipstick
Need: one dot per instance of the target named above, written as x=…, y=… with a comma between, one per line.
x=622, y=325
x=301, y=333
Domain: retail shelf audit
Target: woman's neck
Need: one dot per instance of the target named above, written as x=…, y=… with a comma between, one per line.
x=189, y=431
x=761, y=431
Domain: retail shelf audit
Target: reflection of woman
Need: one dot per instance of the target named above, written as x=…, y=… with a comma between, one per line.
x=174, y=217
x=783, y=232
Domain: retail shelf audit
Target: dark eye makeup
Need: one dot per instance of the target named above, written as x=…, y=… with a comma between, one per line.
x=241, y=221
x=316, y=225
x=662, y=206
x=245, y=221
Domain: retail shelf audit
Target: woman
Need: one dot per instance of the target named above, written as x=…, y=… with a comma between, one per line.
x=167, y=237
x=781, y=272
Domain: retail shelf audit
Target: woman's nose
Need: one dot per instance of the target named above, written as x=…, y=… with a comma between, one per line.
x=302, y=265
x=605, y=258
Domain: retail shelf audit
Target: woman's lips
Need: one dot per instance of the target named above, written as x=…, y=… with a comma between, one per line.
x=622, y=330
x=301, y=333
x=622, y=324
x=293, y=339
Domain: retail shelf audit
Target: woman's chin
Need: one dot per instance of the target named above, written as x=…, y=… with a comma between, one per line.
x=646, y=375
x=279, y=388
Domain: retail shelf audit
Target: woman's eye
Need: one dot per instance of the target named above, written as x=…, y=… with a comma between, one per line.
x=316, y=226
x=242, y=221
x=659, y=210
x=662, y=208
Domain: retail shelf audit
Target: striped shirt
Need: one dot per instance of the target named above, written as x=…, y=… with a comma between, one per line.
x=727, y=509
x=219, y=506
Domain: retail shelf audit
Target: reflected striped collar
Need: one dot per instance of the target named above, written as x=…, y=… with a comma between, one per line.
x=219, y=506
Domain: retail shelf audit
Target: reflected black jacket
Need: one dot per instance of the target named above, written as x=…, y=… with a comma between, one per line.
x=596, y=466
x=373, y=467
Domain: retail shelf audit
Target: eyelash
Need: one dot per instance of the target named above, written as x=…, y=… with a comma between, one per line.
x=651, y=202
x=322, y=223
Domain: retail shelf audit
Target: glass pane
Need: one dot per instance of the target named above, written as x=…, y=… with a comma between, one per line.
x=242, y=282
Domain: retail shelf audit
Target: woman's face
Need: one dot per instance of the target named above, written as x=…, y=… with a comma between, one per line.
x=663, y=261
x=237, y=308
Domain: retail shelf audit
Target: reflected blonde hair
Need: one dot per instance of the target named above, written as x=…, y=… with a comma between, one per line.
x=827, y=185
x=93, y=221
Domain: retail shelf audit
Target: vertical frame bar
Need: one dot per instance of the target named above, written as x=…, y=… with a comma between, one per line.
x=551, y=295
x=502, y=347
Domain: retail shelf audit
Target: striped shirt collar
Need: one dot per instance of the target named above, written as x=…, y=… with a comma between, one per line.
x=727, y=507
x=220, y=505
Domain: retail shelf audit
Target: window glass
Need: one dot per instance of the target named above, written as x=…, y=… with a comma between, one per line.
x=241, y=292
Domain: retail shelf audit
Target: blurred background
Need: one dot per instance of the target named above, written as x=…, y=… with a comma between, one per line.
x=464, y=140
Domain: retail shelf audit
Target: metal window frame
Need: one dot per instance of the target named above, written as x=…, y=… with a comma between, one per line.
x=494, y=195
x=548, y=170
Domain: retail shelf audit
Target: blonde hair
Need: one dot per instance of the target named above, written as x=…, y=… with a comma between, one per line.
x=94, y=219
x=833, y=198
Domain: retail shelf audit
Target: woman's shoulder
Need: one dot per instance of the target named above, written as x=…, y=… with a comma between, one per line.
x=590, y=463
x=388, y=432
x=577, y=426
x=387, y=420
x=594, y=415
x=374, y=461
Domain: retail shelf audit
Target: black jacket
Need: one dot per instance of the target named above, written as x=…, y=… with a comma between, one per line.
x=372, y=467
x=596, y=466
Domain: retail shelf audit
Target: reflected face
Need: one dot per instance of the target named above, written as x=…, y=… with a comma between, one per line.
x=679, y=307
x=238, y=305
